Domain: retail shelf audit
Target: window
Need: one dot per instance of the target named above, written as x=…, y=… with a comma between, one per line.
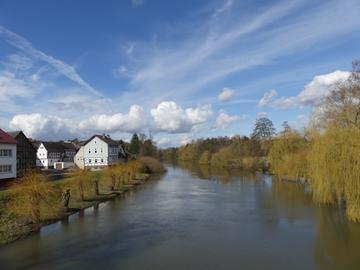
x=95, y=151
x=95, y=160
x=5, y=169
x=5, y=153
x=102, y=160
x=89, y=151
x=89, y=160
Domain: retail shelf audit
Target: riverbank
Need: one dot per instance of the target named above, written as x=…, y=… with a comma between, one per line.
x=66, y=197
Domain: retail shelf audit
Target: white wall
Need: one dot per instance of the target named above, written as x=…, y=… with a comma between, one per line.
x=41, y=155
x=96, y=153
x=9, y=161
x=79, y=158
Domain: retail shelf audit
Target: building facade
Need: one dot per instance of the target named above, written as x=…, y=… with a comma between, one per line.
x=98, y=152
x=25, y=153
x=7, y=156
x=49, y=153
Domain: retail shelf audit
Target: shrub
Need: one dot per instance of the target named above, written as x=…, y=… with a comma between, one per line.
x=152, y=165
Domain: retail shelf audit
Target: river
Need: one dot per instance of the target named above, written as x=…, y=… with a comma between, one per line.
x=197, y=218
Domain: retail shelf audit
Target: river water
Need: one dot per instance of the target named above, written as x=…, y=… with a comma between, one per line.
x=197, y=218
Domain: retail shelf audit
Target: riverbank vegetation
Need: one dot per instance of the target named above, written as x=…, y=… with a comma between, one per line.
x=326, y=154
x=34, y=200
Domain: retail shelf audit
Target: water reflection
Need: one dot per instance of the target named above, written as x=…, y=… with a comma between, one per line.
x=197, y=217
x=337, y=241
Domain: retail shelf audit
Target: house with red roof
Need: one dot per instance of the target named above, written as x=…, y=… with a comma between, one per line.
x=7, y=156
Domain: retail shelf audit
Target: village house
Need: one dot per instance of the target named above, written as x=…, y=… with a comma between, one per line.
x=51, y=153
x=7, y=156
x=25, y=153
x=99, y=152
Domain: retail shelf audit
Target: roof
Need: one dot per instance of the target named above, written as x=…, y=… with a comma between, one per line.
x=68, y=146
x=13, y=134
x=104, y=138
x=54, y=147
x=6, y=138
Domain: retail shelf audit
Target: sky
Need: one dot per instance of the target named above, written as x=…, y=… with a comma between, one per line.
x=175, y=70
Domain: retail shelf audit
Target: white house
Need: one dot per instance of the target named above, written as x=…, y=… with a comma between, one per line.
x=7, y=156
x=98, y=152
x=49, y=153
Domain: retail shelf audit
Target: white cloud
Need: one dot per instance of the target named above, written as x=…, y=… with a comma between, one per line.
x=267, y=98
x=185, y=139
x=170, y=117
x=121, y=72
x=262, y=114
x=42, y=127
x=164, y=142
x=226, y=94
x=136, y=3
x=223, y=120
x=314, y=91
x=212, y=50
x=67, y=70
x=133, y=121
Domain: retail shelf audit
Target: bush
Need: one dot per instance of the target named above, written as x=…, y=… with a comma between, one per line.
x=152, y=165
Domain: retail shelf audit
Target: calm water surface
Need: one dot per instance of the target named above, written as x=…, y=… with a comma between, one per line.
x=195, y=218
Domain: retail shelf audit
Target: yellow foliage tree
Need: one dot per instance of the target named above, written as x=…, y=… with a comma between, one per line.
x=33, y=197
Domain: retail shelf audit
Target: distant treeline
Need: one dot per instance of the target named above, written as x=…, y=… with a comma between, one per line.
x=326, y=154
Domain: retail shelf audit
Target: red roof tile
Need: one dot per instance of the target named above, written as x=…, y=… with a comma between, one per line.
x=6, y=138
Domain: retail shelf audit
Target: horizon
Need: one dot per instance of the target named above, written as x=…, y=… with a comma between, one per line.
x=177, y=71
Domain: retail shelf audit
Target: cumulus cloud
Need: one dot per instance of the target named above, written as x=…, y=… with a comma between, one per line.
x=223, y=120
x=185, y=139
x=314, y=91
x=42, y=127
x=133, y=121
x=226, y=94
x=170, y=117
x=267, y=98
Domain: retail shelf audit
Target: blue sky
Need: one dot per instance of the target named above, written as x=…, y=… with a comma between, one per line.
x=179, y=70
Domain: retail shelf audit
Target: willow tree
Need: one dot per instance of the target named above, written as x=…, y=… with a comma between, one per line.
x=288, y=156
x=33, y=197
x=82, y=182
x=205, y=158
x=334, y=157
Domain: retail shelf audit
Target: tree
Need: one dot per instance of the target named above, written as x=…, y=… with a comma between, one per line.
x=263, y=129
x=148, y=148
x=135, y=144
x=33, y=194
x=342, y=106
x=286, y=127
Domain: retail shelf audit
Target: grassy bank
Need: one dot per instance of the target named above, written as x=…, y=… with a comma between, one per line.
x=34, y=201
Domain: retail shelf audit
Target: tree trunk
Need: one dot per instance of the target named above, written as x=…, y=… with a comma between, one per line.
x=96, y=187
x=81, y=191
x=66, y=199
